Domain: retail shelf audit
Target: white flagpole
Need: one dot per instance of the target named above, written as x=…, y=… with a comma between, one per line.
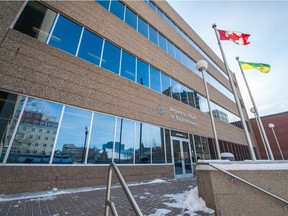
x=248, y=139
x=257, y=114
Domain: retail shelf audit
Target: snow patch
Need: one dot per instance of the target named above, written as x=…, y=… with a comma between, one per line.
x=160, y=212
x=189, y=201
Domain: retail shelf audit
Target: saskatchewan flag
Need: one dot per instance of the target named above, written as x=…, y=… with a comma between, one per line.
x=264, y=68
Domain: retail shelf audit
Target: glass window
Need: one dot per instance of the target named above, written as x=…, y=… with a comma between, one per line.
x=163, y=42
x=111, y=57
x=128, y=66
x=142, y=27
x=36, y=21
x=91, y=47
x=131, y=18
x=153, y=35
x=72, y=140
x=104, y=3
x=142, y=73
x=192, y=146
x=66, y=35
x=166, y=85
x=199, y=148
x=197, y=100
x=168, y=146
x=171, y=49
x=117, y=8
x=178, y=54
x=155, y=79
x=124, y=144
x=176, y=86
x=203, y=104
x=160, y=13
x=184, y=94
x=18, y=152
x=206, y=150
x=152, y=5
x=157, y=145
x=101, y=141
x=143, y=145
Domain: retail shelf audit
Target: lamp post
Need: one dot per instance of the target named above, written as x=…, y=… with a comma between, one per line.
x=252, y=110
x=85, y=141
x=202, y=66
x=272, y=128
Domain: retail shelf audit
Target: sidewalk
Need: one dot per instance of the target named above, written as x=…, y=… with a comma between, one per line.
x=154, y=198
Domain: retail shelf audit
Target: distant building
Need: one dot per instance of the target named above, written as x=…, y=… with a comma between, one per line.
x=280, y=121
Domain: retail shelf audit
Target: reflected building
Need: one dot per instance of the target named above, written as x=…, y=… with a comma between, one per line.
x=84, y=85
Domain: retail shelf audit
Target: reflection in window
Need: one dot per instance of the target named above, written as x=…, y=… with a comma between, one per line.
x=157, y=145
x=143, y=145
x=66, y=35
x=184, y=94
x=131, y=18
x=117, y=8
x=73, y=135
x=101, y=141
x=155, y=79
x=166, y=85
x=168, y=146
x=90, y=48
x=191, y=97
x=198, y=147
x=171, y=49
x=104, y=3
x=128, y=66
x=142, y=73
x=38, y=152
x=153, y=35
x=142, y=27
x=111, y=57
x=124, y=144
x=162, y=42
x=206, y=150
x=36, y=21
x=175, y=89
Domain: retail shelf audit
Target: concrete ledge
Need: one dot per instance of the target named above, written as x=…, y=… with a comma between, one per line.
x=31, y=178
x=229, y=196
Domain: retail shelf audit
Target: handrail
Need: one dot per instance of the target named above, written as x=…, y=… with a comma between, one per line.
x=248, y=183
x=108, y=203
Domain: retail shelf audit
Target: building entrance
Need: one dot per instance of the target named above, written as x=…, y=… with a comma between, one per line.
x=182, y=157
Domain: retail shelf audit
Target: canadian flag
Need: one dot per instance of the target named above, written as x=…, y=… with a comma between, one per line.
x=237, y=37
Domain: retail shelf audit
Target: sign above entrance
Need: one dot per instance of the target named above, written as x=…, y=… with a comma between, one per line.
x=183, y=117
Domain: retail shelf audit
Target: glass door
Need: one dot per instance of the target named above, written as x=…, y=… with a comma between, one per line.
x=182, y=158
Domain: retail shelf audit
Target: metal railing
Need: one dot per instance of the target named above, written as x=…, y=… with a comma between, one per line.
x=108, y=203
x=248, y=183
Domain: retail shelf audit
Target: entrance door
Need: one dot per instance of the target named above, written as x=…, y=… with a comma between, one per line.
x=182, y=158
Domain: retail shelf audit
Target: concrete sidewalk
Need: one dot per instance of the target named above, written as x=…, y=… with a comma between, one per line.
x=149, y=196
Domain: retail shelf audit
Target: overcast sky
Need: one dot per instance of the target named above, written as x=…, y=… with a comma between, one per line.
x=267, y=22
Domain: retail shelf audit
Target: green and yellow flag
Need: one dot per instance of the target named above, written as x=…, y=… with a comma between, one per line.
x=264, y=68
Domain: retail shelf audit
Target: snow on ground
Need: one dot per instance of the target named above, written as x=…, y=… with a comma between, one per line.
x=189, y=202
x=160, y=212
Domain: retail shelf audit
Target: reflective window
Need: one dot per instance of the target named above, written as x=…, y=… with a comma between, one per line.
x=128, y=66
x=111, y=57
x=155, y=79
x=117, y=8
x=191, y=97
x=176, y=87
x=30, y=141
x=203, y=104
x=72, y=141
x=90, y=48
x=101, y=142
x=206, y=150
x=199, y=148
x=157, y=145
x=131, y=18
x=171, y=48
x=142, y=27
x=36, y=21
x=163, y=42
x=104, y=3
x=192, y=147
x=178, y=54
x=142, y=73
x=153, y=35
x=166, y=85
x=168, y=146
x=124, y=144
x=66, y=35
x=152, y=5
x=143, y=145
x=184, y=94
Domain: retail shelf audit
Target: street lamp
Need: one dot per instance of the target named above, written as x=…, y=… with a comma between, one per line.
x=85, y=141
x=272, y=128
x=252, y=110
x=202, y=66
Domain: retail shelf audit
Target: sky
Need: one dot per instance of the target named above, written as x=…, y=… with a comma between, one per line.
x=267, y=22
